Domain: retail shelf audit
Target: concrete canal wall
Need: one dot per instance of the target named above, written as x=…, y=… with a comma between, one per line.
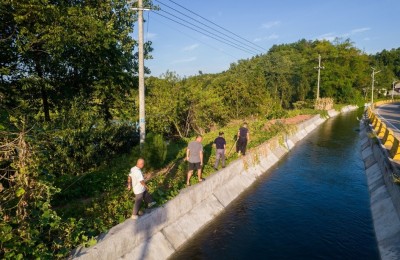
x=381, y=170
x=160, y=233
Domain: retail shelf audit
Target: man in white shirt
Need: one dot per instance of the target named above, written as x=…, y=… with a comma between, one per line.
x=136, y=181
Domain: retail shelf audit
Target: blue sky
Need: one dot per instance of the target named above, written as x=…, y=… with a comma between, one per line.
x=371, y=24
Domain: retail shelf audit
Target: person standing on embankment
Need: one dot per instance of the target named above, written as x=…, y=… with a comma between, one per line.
x=136, y=181
x=243, y=140
x=220, y=145
x=194, y=155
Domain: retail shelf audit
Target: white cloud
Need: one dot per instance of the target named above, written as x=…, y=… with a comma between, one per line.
x=270, y=24
x=267, y=38
x=327, y=36
x=332, y=36
x=184, y=60
x=360, y=30
x=191, y=47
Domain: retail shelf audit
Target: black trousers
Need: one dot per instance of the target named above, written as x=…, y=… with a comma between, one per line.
x=241, y=145
x=145, y=196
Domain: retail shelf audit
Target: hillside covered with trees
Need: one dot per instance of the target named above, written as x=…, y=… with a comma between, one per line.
x=283, y=78
x=68, y=112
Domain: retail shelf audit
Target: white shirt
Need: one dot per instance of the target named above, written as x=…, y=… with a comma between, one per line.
x=136, y=177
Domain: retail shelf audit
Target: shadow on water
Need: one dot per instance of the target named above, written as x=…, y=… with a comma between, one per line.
x=313, y=204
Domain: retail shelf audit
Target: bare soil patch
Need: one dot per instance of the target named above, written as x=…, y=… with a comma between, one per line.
x=288, y=121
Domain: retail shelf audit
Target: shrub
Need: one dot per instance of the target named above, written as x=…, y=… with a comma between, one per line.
x=278, y=113
x=30, y=227
x=79, y=140
x=154, y=150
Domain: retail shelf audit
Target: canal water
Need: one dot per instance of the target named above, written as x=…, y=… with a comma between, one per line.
x=314, y=204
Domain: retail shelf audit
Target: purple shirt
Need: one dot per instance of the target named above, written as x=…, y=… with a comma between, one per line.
x=220, y=142
x=243, y=132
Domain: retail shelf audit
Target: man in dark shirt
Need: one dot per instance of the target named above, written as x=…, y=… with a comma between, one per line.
x=243, y=139
x=220, y=145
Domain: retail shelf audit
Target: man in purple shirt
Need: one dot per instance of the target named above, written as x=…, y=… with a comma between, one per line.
x=243, y=139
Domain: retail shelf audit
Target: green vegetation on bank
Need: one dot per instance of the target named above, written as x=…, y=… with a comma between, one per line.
x=106, y=202
x=68, y=113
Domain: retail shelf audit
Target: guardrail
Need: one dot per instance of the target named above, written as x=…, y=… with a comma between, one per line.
x=382, y=102
x=385, y=134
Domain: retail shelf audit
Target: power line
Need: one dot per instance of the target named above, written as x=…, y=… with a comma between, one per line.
x=211, y=33
x=188, y=35
x=216, y=25
x=194, y=29
x=258, y=49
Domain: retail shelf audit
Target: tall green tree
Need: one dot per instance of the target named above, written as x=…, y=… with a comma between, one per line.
x=69, y=49
x=164, y=101
x=66, y=67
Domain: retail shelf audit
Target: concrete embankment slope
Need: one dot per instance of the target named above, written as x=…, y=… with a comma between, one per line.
x=384, y=194
x=159, y=234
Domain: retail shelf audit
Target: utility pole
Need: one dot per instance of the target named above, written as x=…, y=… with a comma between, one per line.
x=394, y=81
x=373, y=82
x=319, y=73
x=142, y=120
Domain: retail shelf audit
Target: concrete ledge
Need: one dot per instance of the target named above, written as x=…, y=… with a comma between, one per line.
x=301, y=134
x=183, y=228
x=332, y=113
x=268, y=162
x=294, y=138
x=289, y=143
x=366, y=153
x=230, y=190
x=384, y=196
x=160, y=233
x=157, y=247
x=310, y=128
x=279, y=151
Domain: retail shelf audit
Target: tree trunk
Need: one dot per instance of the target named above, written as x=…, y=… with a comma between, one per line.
x=177, y=129
x=43, y=92
x=106, y=111
x=45, y=101
x=188, y=122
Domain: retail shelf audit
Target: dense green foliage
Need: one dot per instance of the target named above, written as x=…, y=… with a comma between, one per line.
x=68, y=95
x=66, y=69
x=264, y=85
x=155, y=150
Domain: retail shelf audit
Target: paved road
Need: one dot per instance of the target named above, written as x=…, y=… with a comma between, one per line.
x=391, y=116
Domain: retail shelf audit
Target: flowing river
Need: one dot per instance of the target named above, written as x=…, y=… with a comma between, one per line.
x=313, y=204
